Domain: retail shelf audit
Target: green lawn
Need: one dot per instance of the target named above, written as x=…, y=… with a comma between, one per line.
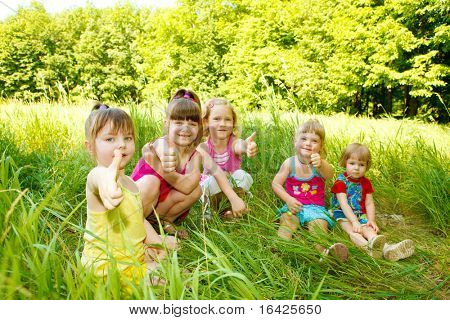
x=43, y=168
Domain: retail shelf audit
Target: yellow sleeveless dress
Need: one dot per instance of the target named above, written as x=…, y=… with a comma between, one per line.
x=115, y=238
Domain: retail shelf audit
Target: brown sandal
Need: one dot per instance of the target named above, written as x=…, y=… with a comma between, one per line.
x=172, y=229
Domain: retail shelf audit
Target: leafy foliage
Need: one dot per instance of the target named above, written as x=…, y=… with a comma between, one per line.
x=364, y=57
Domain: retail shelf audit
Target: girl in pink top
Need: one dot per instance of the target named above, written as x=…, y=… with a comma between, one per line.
x=225, y=148
x=300, y=183
x=173, y=164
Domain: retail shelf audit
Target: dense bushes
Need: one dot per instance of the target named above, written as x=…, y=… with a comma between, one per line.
x=364, y=57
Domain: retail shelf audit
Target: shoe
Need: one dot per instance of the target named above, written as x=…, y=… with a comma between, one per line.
x=172, y=229
x=207, y=215
x=398, y=251
x=375, y=246
x=339, y=251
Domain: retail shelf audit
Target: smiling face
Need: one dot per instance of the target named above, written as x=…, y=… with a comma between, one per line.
x=107, y=140
x=307, y=143
x=355, y=167
x=183, y=133
x=220, y=122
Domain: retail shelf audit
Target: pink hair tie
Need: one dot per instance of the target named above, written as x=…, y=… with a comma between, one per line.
x=187, y=96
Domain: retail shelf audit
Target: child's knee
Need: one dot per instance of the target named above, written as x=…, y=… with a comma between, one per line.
x=210, y=186
x=318, y=225
x=149, y=186
x=171, y=243
x=243, y=179
x=290, y=219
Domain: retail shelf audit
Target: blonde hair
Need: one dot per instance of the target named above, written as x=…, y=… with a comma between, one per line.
x=186, y=109
x=358, y=149
x=218, y=102
x=313, y=126
x=100, y=115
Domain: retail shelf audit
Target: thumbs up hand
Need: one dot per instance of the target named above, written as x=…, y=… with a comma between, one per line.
x=252, y=148
x=169, y=160
x=109, y=191
x=316, y=160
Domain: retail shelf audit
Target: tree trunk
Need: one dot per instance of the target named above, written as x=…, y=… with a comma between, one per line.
x=375, y=104
x=413, y=107
x=383, y=95
x=406, y=100
x=361, y=96
x=366, y=103
x=357, y=104
x=389, y=101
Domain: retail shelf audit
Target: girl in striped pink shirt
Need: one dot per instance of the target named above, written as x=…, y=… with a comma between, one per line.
x=226, y=149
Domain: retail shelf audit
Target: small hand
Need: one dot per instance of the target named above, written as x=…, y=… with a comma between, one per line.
x=294, y=205
x=150, y=156
x=252, y=147
x=108, y=189
x=373, y=225
x=316, y=160
x=238, y=207
x=356, y=226
x=169, y=160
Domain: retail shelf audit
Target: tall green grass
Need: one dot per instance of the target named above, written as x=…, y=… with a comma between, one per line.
x=43, y=167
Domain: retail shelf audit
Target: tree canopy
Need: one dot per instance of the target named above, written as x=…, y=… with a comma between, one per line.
x=359, y=56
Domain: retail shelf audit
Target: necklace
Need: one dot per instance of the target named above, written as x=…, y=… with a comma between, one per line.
x=304, y=163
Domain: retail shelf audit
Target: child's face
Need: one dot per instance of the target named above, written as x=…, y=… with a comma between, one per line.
x=106, y=142
x=183, y=132
x=220, y=122
x=355, y=167
x=307, y=144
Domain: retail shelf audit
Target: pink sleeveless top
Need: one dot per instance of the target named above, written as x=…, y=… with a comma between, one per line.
x=143, y=168
x=309, y=190
x=232, y=164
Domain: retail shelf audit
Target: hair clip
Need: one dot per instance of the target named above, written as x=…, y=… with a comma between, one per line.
x=103, y=107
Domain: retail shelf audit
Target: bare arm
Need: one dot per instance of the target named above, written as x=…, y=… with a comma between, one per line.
x=217, y=173
x=185, y=183
x=102, y=190
x=247, y=146
x=348, y=212
x=343, y=203
x=326, y=170
x=239, y=147
x=322, y=166
x=370, y=209
x=279, y=180
x=277, y=186
x=160, y=145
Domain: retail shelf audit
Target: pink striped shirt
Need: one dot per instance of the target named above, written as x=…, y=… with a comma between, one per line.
x=228, y=161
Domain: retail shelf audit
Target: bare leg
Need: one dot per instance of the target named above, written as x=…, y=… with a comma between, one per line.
x=338, y=250
x=288, y=224
x=368, y=233
x=356, y=238
x=317, y=227
x=176, y=203
x=154, y=249
x=149, y=188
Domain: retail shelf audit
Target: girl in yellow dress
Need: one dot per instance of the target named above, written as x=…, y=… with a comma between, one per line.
x=117, y=235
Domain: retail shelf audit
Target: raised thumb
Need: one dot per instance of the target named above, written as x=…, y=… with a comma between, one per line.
x=115, y=164
x=250, y=139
